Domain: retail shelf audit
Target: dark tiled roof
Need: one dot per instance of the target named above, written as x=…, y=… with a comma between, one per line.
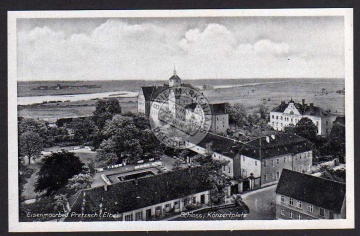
x=320, y=192
x=284, y=143
x=303, y=109
x=191, y=106
x=128, y=196
x=174, y=77
x=340, y=120
x=147, y=91
x=218, y=108
x=220, y=144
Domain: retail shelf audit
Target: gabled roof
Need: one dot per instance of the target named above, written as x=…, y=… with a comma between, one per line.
x=135, y=194
x=220, y=144
x=284, y=143
x=317, y=191
x=147, y=91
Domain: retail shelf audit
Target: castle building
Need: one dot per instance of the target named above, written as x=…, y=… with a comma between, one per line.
x=181, y=107
x=301, y=196
x=289, y=114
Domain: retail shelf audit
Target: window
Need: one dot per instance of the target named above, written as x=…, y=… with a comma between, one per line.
x=128, y=217
x=272, y=116
x=300, y=169
x=277, y=175
x=284, y=159
x=291, y=214
x=291, y=201
x=272, y=175
x=281, y=117
x=229, y=169
x=331, y=215
x=299, y=204
x=277, y=117
x=282, y=199
x=265, y=177
x=322, y=212
x=299, y=217
x=255, y=163
x=177, y=205
x=194, y=199
x=168, y=205
x=272, y=162
x=282, y=211
x=327, y=122
x=264, y=163
x=277, y=161
x=138, y=215
x=310, y=208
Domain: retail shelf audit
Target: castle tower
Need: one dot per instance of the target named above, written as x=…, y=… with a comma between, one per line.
x=174, y=80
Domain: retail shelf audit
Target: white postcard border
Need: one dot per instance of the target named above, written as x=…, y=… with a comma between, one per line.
x=16, y=226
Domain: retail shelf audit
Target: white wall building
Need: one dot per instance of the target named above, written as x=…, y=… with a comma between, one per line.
x=291, y=113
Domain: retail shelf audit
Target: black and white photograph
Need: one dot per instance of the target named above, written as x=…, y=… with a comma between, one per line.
x=205, y=119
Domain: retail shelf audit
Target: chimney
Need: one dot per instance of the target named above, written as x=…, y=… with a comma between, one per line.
x=105, y=187
x=303, y=101
x=311, y=105
x=273, y=136
x=267, y=139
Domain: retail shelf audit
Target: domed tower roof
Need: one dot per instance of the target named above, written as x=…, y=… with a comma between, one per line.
x=175, y=77
x=174, y=80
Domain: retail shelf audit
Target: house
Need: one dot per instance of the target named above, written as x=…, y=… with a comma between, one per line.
x=302, y=196
x=145, y=198
x=182, y=108
x=289, y=114
x=258, y=163
x=220, y=118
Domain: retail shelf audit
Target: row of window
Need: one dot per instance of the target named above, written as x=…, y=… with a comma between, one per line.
x=310, y=207
x=291, y=214
x=277, y=161
x=286, y=119
x=273, y=176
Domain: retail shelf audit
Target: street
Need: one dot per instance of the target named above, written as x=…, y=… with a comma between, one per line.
x=261, y=203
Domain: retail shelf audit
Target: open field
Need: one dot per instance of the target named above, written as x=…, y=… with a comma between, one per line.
x=248, y=92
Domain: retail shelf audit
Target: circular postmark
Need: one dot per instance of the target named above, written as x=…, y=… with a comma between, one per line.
x=180, y=117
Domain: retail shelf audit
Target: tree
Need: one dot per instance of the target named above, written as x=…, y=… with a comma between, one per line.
x=60, y=202
x=306, y=129
x=104, y=158
x=30, y=144
x=84, y=130
x=237, y=114
x=56, y=170
x=264, y=112
x=80, y=181
x=105, y=109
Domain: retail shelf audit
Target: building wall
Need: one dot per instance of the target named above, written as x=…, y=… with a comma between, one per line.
x=162, y=206
x=271, y=168
x=302, y=162
x=141, y=103
x=229, y=168
x=249, y=165
x=280, y=120
x=303, y=211
x=219, y=123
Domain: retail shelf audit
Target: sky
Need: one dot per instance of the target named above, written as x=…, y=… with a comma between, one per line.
x=200, y=48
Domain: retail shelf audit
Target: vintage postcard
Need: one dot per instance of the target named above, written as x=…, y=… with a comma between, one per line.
x=181, y=119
